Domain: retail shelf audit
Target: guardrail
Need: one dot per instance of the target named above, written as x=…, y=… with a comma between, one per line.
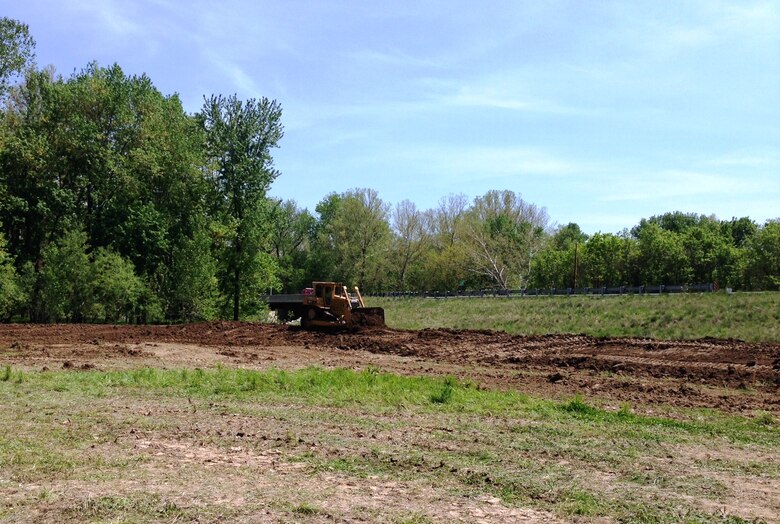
x=539, y=292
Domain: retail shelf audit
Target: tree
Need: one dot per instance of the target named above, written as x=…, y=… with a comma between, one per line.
x=410, y=241
x=444, y=265
x=559, y=263
x=291, y=234
x=553, y=268
x=662, y=257
x=504, y=233
x=239, y=139
x=17, y=50
x=353, y=237
x=763, y=257
x=603, y=261
x=446, y=220
x=65, y=281
x=116, y=289
x=709, y=252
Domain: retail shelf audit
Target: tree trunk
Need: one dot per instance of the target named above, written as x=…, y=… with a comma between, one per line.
x=237, y=282
x=236, y=294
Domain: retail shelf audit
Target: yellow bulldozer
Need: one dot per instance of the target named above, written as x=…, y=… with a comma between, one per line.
x=326, y=304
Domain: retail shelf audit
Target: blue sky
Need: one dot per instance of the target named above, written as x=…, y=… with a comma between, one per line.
x=603, y=112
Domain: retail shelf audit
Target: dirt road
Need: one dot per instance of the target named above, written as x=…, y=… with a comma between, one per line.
x=730, y=375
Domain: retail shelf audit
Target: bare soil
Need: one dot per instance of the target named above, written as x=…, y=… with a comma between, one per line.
x=730, y=375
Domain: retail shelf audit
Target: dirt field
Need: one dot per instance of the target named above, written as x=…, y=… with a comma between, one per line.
x=176, y=459
x=729, y=375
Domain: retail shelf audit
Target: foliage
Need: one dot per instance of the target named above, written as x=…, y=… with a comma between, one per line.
x=17, y=49
x=239, y=139
x=65, y=280
x=116, y=289
x=763, y=258
x=291, y=235
x=504, y=234
x=351, y=240
x=410, y=241
x=662, y=257
x=109, y=155
x=11, y=295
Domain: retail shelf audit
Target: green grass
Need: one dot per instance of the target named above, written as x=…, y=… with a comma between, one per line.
x=753, y=317
x=527, y=451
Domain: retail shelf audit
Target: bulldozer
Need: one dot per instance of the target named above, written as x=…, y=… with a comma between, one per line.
x=327, y=305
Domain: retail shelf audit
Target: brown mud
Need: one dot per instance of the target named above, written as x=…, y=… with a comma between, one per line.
x=729, y=375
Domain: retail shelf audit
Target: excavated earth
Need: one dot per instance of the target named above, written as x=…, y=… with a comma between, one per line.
x=729, y=375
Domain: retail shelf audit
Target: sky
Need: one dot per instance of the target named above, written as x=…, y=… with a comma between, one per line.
x=603, y=112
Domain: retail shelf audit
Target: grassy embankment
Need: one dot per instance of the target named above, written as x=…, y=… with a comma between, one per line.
x=753, y=317
x=96, y=446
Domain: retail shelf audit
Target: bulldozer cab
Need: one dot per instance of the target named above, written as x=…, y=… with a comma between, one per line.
x=331, y=295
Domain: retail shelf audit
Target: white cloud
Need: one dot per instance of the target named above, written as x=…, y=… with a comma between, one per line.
x=493, y=98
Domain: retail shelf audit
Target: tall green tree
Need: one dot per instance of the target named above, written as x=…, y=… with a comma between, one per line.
x=239, y=139
x=17, y=50
x=65, y=280
x=606, y=260
x=662, y=257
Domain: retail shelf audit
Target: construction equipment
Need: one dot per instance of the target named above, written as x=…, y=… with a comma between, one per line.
x=326, y=304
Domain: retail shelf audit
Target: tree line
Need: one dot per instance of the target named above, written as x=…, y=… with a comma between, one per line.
x=117, y=205
x=499, y=241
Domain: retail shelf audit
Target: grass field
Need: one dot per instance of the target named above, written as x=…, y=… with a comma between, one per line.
x=753, y=317
x=141, y=446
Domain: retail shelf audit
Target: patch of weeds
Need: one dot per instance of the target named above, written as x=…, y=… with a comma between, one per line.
x=579, y=502
x=444, y=395
x=579, y=407
x=764, y=418
x=9, y=375
x=304, y=508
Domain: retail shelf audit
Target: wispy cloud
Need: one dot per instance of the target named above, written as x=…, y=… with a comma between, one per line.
x=114, y=18
x=487, y=162
x=486, y=97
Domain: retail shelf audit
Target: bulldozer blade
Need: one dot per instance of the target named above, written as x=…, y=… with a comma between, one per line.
x=368, y=316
